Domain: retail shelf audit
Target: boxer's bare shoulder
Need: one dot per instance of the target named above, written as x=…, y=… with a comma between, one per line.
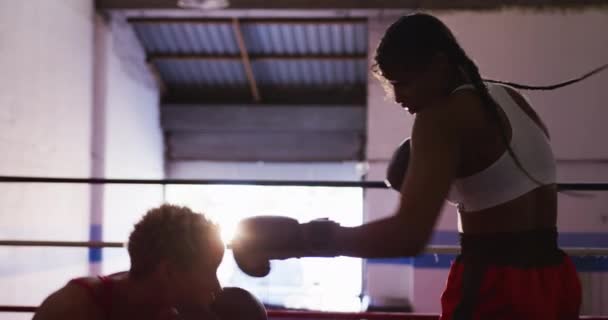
x=70, y=302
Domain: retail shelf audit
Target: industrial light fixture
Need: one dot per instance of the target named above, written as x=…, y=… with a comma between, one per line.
x=203, y=4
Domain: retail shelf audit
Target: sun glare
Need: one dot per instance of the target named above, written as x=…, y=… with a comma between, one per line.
x=227, y=205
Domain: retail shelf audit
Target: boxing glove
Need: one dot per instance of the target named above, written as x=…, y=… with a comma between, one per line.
x=263, y=238
x=234, y=303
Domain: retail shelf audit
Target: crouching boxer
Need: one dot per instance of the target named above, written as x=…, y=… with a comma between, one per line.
x=174, y=255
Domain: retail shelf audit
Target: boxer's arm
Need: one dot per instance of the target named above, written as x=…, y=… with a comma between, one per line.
x=65, y=303
x=434, y=161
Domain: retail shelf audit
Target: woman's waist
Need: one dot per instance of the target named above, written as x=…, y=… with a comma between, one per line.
x=537, y=210
x=536, y=247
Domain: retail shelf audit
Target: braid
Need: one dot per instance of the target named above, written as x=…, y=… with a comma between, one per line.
x=472, y=72
x=553, y=86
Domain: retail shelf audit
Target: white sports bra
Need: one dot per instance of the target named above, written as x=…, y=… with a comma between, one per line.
x=503, y=180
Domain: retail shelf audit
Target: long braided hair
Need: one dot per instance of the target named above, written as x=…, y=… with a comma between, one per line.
x=418, y=37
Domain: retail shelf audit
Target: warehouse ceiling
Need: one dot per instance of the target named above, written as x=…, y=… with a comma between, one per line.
x=258, y=60
x=360, y=4
x=269, y=80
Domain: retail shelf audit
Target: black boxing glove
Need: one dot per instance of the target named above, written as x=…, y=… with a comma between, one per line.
x=263, y=238
x=234, y=303
x=397, y=167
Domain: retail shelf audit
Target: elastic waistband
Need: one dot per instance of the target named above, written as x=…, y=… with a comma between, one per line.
x=531, y=248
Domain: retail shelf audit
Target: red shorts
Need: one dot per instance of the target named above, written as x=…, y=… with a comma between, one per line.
x=540, y=291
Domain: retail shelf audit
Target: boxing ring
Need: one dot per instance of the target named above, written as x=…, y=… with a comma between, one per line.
x=272, y=313
x=312, y=315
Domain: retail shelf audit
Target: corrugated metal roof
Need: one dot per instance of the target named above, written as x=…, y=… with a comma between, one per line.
x=260, y=38
x=187, y=38
x=302, y=39
x=263, y=40
x=202, y=73
x=271, y=73
x=310, y=73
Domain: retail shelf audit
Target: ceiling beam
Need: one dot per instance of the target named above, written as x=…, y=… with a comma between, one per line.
x=219, y=20
x=360, y=4
x=263, y=118
x=266, y=146
x=187, y=57
x=255, y=93
x=354, y=94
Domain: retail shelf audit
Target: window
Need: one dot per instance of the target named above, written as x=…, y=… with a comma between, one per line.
x=330, y=284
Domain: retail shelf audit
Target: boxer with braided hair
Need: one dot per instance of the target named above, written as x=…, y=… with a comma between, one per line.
x=478, y=144
x=504, y=182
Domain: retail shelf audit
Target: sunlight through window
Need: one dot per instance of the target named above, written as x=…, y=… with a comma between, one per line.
x=332, y=284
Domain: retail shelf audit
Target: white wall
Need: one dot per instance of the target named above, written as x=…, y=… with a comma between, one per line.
x=335, y=171
x=545, y=48
x=132, y=146
x=526, y=47
x=76, y=99
x=46, y=58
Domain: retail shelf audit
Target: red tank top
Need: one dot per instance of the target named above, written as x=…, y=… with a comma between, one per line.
x=101, y=297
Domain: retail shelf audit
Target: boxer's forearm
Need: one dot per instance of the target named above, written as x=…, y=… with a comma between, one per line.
x=385, y=238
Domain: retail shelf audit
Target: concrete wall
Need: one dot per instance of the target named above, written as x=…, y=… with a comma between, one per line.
x=526, y=47
x=132, y=144
x=46, y=58
x=76, y=100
